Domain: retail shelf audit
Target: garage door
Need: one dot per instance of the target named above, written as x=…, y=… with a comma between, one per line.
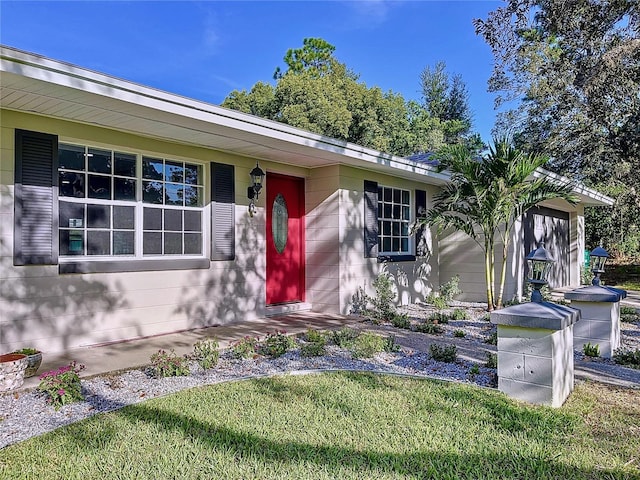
x=551, y=227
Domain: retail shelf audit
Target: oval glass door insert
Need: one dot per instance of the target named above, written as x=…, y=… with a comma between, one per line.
x=280, y=223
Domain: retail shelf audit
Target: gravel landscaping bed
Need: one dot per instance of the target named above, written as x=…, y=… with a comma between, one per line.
x=27, y=414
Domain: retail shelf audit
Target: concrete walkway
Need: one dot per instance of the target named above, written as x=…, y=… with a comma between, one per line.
x=101, y=359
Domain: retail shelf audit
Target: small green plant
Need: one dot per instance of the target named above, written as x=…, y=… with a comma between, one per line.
x=491, y=360
x=450, y=289
x=629, y=314
x=627, y=357
x=443, y=353
x=315, y=344
x=169, y=364
x=367, y=345
x=460, y=314
x=205, y=352
x=430, y=328
x=492, y=338
x=591, y=350
x=27, y=351
x=390, y=344
x=474, y=370
x=276, y=344
x=245, y=347
x=627, y=310
x=439, y=317
x=401, y=320
x=383, y=303
x=359, y=302
x=344, y=337
x=62, y=386
x=437, y=301
x=459, y=333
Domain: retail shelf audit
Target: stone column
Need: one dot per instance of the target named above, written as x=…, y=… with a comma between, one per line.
x=600, y=312
x=535, y=351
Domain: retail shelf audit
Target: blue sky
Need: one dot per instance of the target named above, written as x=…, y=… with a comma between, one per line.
x=206, y=49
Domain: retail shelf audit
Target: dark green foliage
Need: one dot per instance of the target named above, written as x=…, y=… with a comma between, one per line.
x=627, y=357
x=437, y=301
x=384, y=301
x=443, y=353
x=367, y=345
x=459, y=333
x=245, y=347
x=492, y=360
x=460, y=314
x=276, y=344
x=430, y=328
x=591, y=350
x=492, y=338
x=439, y=317
x=390, y=344
x=401, y=321
x=344, y=337
x=205, y=352
x=169, y=364
x=314, y=345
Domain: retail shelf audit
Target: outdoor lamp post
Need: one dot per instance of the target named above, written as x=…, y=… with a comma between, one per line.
x=539, y=262
x=257, y=178
x=599, y=257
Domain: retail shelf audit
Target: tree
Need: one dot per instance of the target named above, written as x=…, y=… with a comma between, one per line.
x=486, y=196
x=573, y=69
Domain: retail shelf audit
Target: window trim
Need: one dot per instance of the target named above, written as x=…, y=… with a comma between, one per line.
x=409, y=255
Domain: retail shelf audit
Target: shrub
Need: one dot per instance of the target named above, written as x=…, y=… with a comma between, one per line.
x=390, y=344
x=450, y=289
x=629, y=314
x=205, y=352
x=62, y=386
x=446, y=353
x=459, y=333
x=627, y=310
x=244, y=348
x=591, y=350
x=383, y=303
x=344, y=337
x=460, y=314
x=401, y=321
x=367, y=345
x=474, y=370
x=431, y=328
x=315, y=344
x=492, y=338
x=359, y=302
x=439, y=317
x=492, y=360
x=276, y=344
x=627, y=357
x=315, y=336
x=437, y=301
x=168, y=364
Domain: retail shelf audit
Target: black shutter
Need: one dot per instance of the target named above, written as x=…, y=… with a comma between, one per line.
x=35, y=236
x=370, y=219
x=223, y=237
x=422, y=248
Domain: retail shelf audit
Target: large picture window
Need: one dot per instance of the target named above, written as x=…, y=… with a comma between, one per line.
x=117, y=204
x=394, y=219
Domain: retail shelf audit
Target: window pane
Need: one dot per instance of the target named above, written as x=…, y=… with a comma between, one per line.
x=405, y=197
x=71, y=215
x=173, y=172
x=395, y=247
x=387, y=211
x=124, y=164
x=192, y=221
x=379, y=210
x=386, y=244
x=99, y=161
x=152, y=192
x=192, y=174
x=173, y=220
x=173, y=194
x=405, y=244
x=71, y=184
x=396, y=196
x=192, y=243
x=405, y=229
x=98, y=242
x=193, y=196
x=98, y=216
x=396, y=212
x=405, y=213
x=71, y=242
x=395, y=231
x=152, y=168
x=152, y=243
x=388, y=194
x=124, y=217
x=99, y=187
x=386, y=228
x=123, y=243
x=70, y=157
x=152, y=219
x=124, y=189
x=172, y=243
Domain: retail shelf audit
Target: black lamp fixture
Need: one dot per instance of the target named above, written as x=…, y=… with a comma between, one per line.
x=598, y=258
x=253, y=191
x=539, y=262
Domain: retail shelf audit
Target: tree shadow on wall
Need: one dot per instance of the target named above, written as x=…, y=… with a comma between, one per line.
x=39, y=304
x=230, y=290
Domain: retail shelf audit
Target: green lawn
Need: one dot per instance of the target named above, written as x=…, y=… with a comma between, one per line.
x=343, y=426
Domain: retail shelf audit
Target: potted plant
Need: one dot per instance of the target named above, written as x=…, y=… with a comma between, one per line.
x=34, y=359
x=12, y=366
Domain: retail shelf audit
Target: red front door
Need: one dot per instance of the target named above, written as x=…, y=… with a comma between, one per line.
x=285, y=239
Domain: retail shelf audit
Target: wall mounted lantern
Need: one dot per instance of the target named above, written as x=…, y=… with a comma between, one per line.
x=598, y=258
x=539, y=262
x=257, y=178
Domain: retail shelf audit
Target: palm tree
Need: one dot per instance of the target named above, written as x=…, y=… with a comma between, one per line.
x=485, y=196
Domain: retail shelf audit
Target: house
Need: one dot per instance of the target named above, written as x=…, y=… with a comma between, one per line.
x=124, y=212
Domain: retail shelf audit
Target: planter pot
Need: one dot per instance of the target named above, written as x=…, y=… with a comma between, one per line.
x=12, y=366
x=33, y=364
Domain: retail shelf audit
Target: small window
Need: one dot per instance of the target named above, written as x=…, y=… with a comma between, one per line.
x=394, y=219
